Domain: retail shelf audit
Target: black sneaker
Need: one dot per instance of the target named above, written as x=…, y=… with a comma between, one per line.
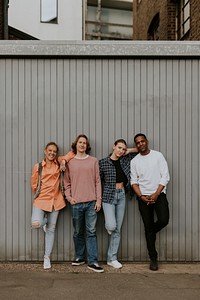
x=78, y=262
x=96, y=268
x=153, y=265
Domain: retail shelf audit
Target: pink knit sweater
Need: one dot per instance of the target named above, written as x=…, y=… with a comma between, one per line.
x=82, y=180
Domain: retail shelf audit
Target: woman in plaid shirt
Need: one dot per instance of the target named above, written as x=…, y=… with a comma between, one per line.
x=115, y=177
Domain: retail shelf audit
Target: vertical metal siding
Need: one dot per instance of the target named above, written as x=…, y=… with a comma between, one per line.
x=3, y=161
x=56, y=99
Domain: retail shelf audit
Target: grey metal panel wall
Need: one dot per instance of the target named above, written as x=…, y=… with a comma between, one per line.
x=45, y=99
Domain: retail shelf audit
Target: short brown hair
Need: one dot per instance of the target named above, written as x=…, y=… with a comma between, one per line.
x=76, y=141
x=120, y=141
x=52, y=143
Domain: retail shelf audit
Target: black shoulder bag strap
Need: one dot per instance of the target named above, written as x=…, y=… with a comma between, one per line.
x=39, y=180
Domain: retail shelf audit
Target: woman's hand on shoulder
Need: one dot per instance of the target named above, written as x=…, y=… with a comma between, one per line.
x=63, y=165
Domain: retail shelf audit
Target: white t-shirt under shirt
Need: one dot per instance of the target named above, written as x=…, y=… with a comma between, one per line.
x=148, y=171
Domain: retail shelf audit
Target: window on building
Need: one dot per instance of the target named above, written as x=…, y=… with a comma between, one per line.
x=49, y=11
x=153, y=31
x=183, y=18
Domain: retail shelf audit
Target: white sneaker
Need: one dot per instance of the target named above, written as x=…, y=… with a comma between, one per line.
x=47, y=262
x=115, y=264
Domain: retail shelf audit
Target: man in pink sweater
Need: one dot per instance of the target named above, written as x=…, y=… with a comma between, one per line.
x=83, y=191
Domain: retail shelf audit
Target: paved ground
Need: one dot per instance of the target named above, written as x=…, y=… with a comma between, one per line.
x=133, y=281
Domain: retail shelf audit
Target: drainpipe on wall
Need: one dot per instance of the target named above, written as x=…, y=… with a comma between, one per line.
x=98, y=17
x=5, y=19
x=84, y=18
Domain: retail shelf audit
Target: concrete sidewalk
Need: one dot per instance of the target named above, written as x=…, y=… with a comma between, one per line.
x=128, y=268
x=133, y=281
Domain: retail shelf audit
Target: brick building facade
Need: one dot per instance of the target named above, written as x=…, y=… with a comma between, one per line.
x=166, y=20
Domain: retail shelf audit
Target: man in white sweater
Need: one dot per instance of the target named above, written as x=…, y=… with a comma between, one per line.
x=149, y=178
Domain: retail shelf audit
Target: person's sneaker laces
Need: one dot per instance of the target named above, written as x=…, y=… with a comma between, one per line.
x=47, y=262
x=153, y=265
x=78, y=262
x=115, y=264
x=95, y=268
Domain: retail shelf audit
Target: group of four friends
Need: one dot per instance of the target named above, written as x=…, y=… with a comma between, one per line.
x=90, y=185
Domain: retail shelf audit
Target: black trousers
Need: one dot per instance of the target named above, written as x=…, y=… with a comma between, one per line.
x=161, y=209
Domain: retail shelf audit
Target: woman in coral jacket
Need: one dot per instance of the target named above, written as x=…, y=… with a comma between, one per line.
x=48, y=200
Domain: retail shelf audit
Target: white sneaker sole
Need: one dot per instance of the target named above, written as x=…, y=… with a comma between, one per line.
x=47, y=267
x=97, y=271
x=78, y=263
x=115, y=267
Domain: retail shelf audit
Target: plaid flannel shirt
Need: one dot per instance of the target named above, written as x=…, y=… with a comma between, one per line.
x=108, y=175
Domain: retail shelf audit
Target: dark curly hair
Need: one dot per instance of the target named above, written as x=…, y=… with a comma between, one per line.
x=140, y=134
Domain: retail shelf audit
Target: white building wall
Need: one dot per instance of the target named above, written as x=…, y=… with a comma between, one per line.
x=24, y=15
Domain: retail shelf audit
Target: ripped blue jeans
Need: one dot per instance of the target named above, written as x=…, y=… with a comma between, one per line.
x=39, y=219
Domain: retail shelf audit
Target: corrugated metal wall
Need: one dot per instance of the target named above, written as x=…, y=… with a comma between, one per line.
x=43, y=99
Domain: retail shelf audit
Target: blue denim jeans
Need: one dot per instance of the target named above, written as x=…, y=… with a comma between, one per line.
x=114, y=215
x=152, y=227
x=84, y=219
x=50, y=219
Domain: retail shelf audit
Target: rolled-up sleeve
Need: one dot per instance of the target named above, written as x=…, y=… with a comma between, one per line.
x=134, y=177
x=164, y=171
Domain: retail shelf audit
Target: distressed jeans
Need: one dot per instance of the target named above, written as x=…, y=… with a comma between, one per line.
x=114, y=215
x=152, y=227
x=84, y=219
x=50, y=219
